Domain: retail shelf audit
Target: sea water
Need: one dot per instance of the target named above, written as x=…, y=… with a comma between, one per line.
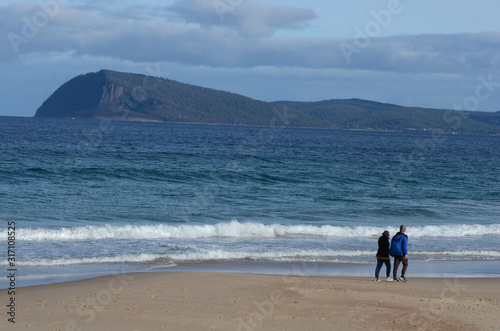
x=94, y=197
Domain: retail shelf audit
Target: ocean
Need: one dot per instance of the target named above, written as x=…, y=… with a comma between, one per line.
x=96, y=197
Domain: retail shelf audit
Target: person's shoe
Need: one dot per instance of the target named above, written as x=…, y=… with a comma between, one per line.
x=395, y=280
x=389, y=279
x=377, y=280
x=402, y=278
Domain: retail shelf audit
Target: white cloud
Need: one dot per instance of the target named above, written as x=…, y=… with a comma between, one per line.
x=86, y=32
x=250, y=19
x=240, y=51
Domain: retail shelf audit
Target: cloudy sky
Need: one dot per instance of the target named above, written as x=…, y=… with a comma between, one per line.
x=429, y=53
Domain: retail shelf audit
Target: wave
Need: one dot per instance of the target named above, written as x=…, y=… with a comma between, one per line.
x=304, y=255
x=200, y=255
x=476, y=253
x=235, y=229
x=127, y=258
x=274, y=255
x=325, y=255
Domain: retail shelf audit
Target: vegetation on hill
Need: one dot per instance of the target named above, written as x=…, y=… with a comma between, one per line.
x=123, y=96
x=368, y=115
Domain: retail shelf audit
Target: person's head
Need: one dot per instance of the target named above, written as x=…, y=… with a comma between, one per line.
x=402, y=229
x=385, y=233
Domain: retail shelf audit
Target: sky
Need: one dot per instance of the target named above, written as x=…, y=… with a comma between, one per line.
x=437, y=54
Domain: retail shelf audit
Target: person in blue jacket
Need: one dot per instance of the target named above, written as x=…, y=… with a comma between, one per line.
x=399, y=251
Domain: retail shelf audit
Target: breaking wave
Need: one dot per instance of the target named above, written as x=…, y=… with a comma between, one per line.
x=235, y=229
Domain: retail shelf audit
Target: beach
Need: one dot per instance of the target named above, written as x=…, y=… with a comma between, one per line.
x=239, y=301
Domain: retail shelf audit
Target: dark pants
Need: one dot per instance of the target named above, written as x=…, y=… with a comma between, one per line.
x=380, y=263
x=397, y=261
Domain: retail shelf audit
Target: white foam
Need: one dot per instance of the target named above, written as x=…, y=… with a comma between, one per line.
x=199, y=255
x=127, y=258
x=306, y=255
x=318, y=255
x=235, y=229
x=267, y=255
x=476, y=253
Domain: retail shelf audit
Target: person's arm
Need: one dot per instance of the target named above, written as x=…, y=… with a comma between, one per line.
x=405, y=246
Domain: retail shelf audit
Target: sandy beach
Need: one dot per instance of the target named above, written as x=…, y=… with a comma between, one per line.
x=224, y=301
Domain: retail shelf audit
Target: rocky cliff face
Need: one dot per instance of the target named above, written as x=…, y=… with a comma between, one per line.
x=122, y=96
x=111, y=94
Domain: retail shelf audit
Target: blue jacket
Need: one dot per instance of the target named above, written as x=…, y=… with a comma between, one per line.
x=399, y=245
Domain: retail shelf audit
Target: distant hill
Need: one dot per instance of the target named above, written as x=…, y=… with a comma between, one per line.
x=368, y=115
x=123, y=96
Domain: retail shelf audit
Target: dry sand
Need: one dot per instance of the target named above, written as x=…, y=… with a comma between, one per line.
x=222, y=301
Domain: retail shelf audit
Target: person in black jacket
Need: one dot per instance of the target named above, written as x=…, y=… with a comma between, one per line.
x=383, y=256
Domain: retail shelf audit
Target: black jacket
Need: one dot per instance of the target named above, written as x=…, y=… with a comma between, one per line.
x=383, y=247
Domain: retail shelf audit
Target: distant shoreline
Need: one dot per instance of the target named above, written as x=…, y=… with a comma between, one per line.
x=428, y=132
